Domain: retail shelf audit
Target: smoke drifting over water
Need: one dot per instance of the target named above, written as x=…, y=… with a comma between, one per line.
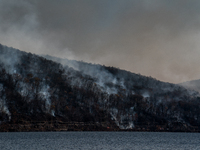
x=154, y=38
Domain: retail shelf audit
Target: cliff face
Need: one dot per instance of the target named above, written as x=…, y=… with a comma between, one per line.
x=49, y=89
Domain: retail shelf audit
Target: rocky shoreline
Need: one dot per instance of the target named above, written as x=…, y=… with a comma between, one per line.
x=82, y=126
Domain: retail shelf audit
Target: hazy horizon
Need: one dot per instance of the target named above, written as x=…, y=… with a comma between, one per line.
x=154, y=38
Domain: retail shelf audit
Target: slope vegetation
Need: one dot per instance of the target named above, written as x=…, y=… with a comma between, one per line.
x=48, y=93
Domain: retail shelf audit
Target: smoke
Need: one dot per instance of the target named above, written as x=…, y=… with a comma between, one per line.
x=9, y=62
x=155, y=38
x=193, y=85
x=4, y=108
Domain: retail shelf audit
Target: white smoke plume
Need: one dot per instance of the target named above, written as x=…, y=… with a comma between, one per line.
x=155, y=38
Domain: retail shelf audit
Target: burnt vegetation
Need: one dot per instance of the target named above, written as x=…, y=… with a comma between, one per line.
x=40, y=94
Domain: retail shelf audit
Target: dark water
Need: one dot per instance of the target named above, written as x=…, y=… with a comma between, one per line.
x=99, y=140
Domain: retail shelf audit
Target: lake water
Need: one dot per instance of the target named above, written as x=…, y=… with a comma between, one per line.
x=99, y=141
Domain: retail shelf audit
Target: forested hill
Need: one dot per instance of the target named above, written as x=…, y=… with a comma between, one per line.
x=48, y=89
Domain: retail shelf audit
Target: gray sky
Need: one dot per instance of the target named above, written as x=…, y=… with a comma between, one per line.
x=158, y=38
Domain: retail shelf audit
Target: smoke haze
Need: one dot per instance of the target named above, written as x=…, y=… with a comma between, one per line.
x=154, y=38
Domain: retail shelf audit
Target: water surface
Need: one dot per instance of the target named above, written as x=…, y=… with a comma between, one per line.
x=99, y=141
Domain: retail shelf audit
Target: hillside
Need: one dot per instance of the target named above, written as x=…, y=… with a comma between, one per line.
x=48, y=93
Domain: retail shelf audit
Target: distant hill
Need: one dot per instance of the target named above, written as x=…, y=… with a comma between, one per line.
x=192, y=85
x=45, y=93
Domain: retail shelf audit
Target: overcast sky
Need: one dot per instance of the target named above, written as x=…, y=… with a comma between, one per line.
x=158, y=38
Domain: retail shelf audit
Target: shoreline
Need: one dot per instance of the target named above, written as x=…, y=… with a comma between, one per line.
x=77, y=126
